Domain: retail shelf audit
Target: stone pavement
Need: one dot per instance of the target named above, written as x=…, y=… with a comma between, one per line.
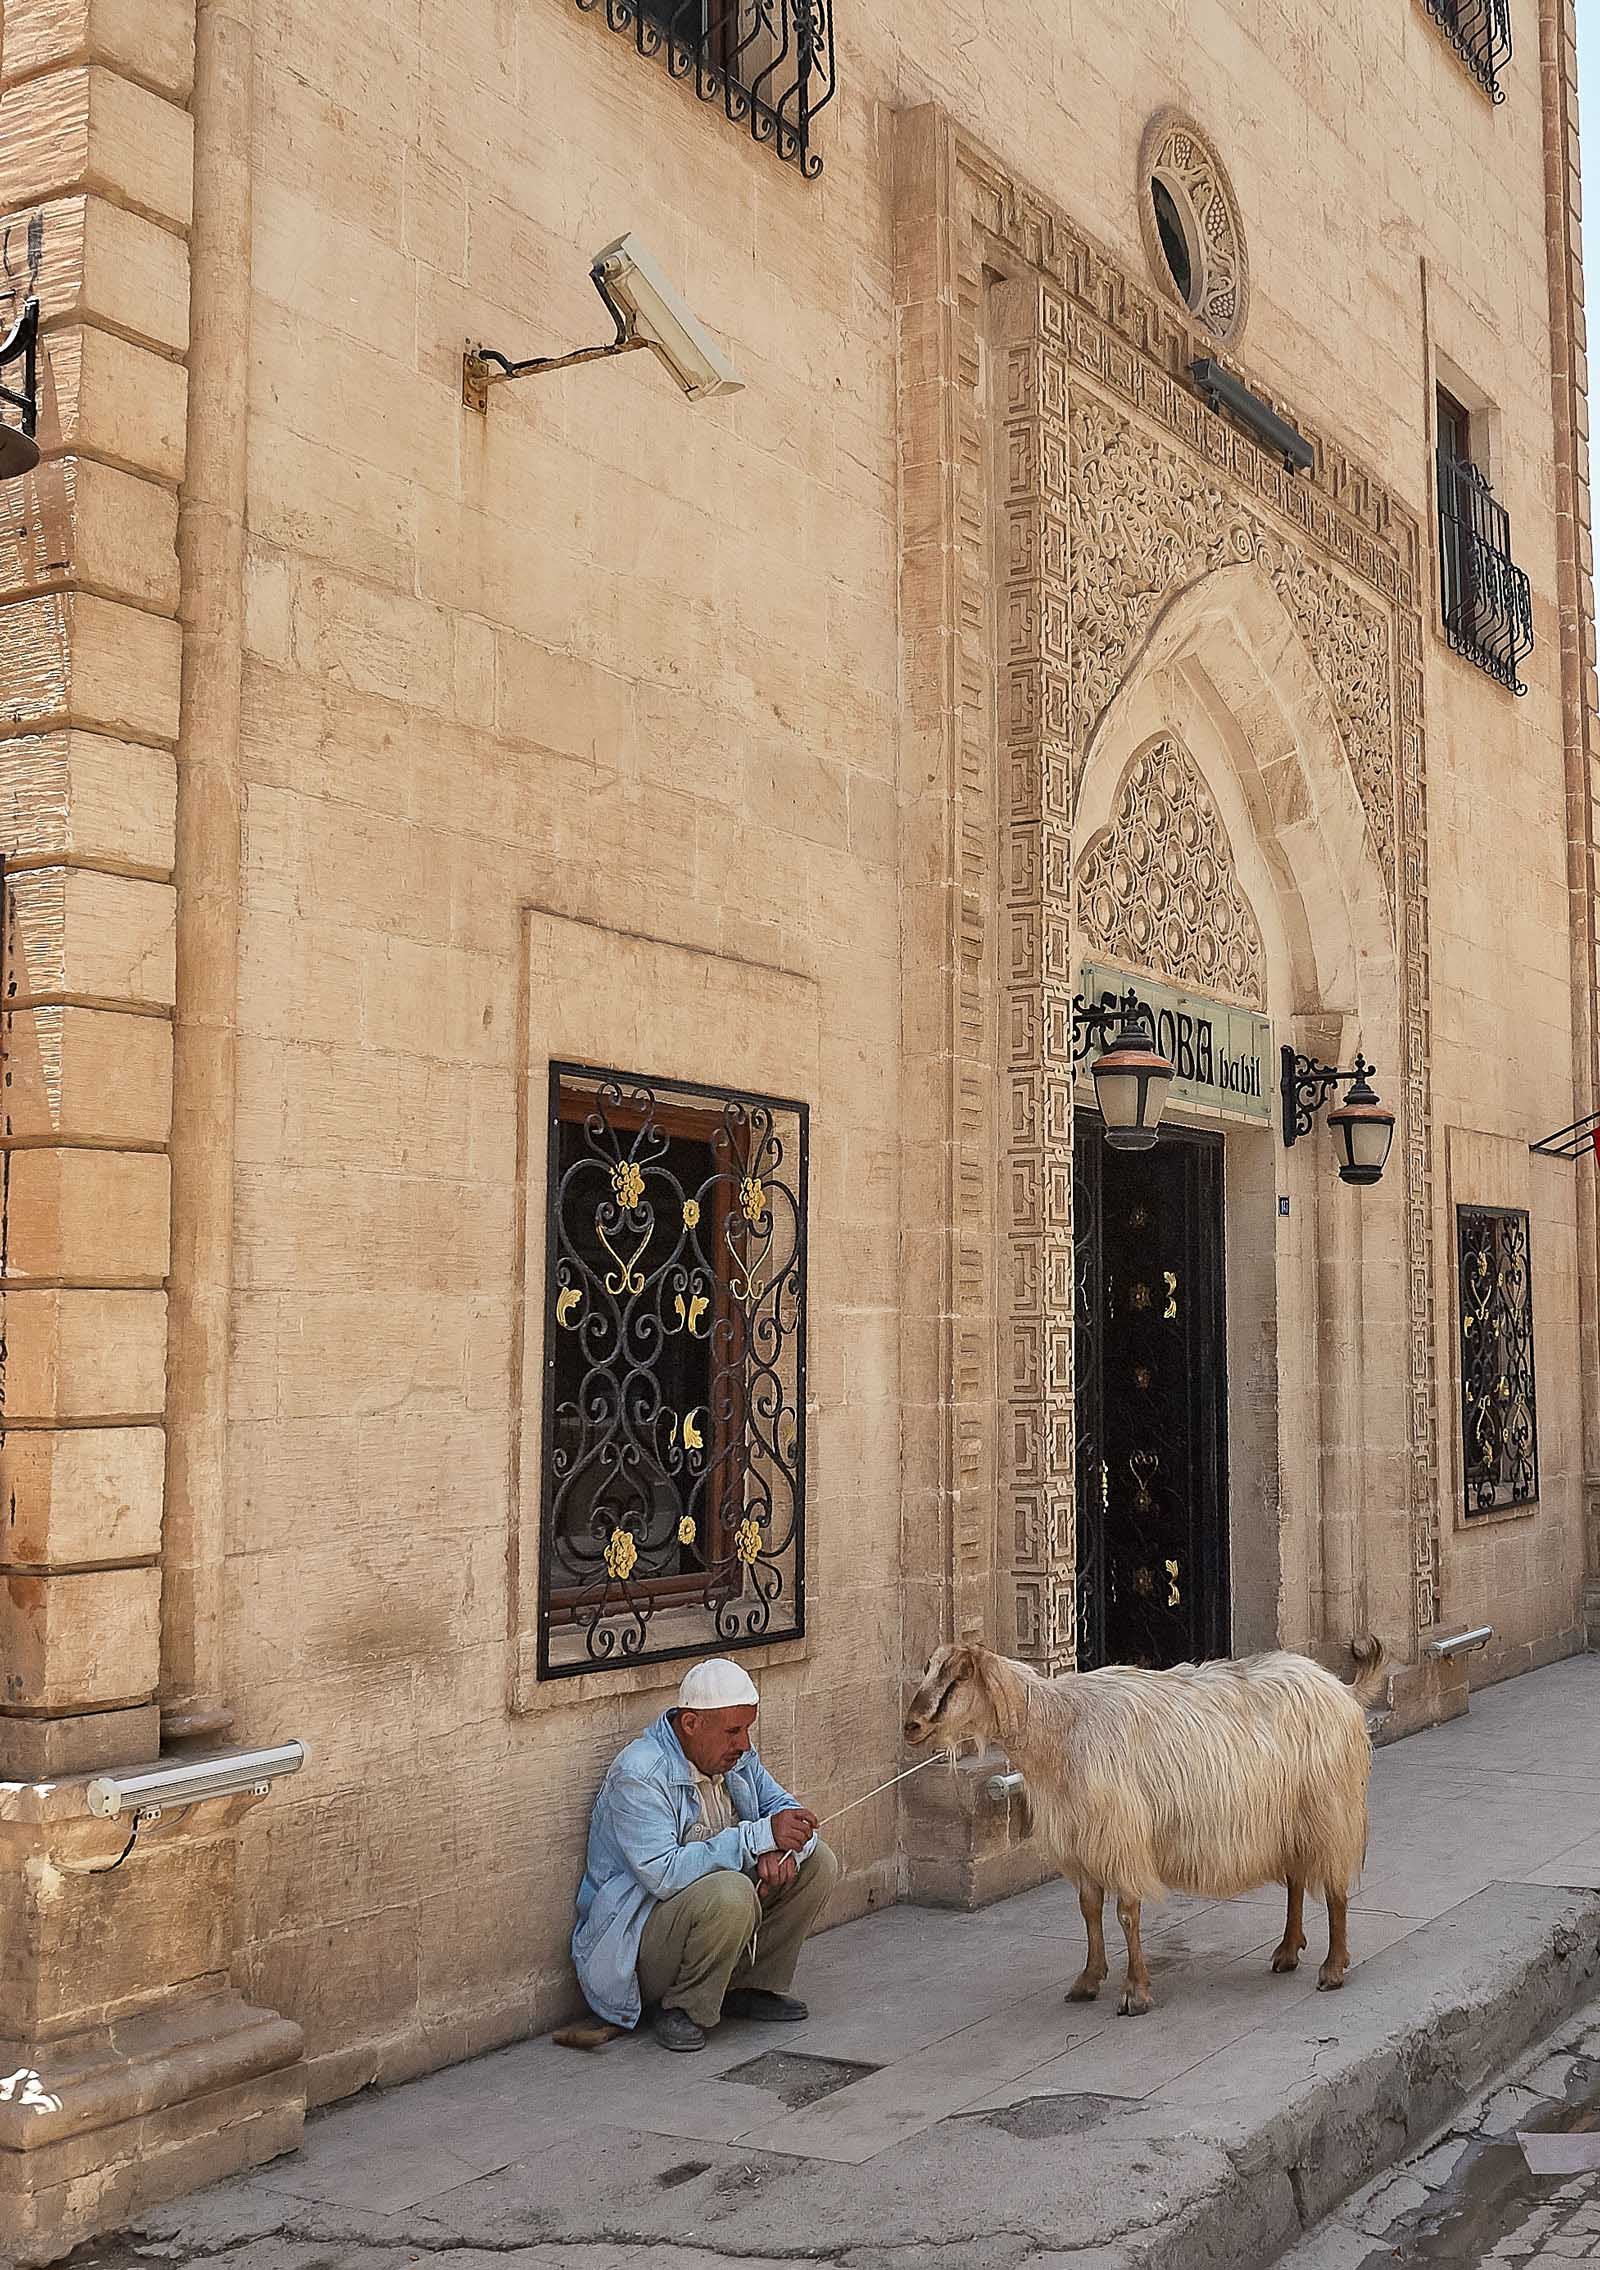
x=945, y=2100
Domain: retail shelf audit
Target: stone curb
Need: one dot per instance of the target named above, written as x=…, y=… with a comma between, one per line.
x=1376, y=2100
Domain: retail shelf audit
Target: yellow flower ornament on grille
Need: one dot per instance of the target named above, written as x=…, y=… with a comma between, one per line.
x=752, y=1200
x=621, y=1553
x=747, y=1540
x=628, y=1183
x=686, y=1529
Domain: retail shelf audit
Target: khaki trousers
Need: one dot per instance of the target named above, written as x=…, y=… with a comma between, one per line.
x=697, y=1944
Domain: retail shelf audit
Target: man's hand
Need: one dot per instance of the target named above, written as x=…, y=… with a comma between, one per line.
x=775, y=1872
x=793, y=1828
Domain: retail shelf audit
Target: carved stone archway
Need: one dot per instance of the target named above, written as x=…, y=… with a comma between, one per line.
x=1071, y=488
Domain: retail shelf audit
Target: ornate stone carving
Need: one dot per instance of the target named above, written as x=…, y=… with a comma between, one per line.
x=1076, y=596
x=1039, y=1443
x=1351, y=645
x=1145, y=523
x=1174, y=151
x=1158, y=888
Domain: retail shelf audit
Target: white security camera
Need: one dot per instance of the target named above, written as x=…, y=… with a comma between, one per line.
x=148, y=1790
x=649, y=312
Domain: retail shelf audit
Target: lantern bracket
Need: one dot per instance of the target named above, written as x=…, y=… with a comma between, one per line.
x=1095, y=1024
x=1305, y=1088
x=21, y=345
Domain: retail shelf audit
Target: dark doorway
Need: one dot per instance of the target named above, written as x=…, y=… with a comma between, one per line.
x=1151, y=1400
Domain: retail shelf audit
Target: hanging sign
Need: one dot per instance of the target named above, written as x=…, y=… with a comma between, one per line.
x=1223, y=1055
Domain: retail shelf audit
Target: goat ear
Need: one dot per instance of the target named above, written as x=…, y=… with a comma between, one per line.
x=962, y=1664
x=995, y=1694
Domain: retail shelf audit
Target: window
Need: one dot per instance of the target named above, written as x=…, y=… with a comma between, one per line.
x=1174, y=236
x=674, y=1471
x=1485, y=599
x=1480, y=33
x=768, y=63
x=1499, y=1424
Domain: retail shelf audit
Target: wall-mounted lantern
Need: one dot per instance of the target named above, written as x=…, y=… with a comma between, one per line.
x=1131, y=1077
x=19, y=452
x=1364, y=1129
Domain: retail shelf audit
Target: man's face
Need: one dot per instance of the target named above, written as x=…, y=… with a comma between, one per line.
x=714, y=1740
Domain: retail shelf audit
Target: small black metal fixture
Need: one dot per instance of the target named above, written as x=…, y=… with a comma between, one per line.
x=1222, y=391
x=1480, y=33
x=19, y=451
x=769, y=66
x=647, y=313
x=1131, y=1077
x=1363, y=1128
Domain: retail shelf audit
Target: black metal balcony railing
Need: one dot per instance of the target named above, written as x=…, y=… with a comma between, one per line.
x=769, y=63
x=1487, y=600
x=1480, y=33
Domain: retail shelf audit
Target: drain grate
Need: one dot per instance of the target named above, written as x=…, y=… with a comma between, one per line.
x=797, y=2080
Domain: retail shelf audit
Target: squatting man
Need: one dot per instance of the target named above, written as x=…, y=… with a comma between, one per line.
x=703, y=1875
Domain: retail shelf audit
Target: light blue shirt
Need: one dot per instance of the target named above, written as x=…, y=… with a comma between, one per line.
x=643, y=1847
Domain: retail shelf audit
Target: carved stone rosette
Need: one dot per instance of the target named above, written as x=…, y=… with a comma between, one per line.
x=1175, y=149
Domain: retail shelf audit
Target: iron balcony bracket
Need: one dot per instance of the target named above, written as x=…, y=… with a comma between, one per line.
x=1571, y=1142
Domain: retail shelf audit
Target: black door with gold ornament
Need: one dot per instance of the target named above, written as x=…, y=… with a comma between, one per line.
x=1151, y=1399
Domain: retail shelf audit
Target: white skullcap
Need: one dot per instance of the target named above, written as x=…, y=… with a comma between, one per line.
x=716, y=1684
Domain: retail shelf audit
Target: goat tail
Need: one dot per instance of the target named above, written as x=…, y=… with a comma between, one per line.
x=1371, y=1686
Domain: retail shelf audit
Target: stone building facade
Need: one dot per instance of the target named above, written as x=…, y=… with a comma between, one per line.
x=410, y=811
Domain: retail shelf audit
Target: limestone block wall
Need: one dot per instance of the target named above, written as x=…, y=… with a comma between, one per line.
x=95, y=183
x=1511, y=875
x=608, y=661
x=599, y=662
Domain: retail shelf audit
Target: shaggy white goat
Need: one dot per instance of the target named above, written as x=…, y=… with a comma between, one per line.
x=1211, y=1778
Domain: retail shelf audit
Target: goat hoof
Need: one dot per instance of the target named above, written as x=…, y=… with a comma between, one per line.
x=1083, y=1988
x=1285, y=1958
x=1329, y=1981
x=1135, y=2002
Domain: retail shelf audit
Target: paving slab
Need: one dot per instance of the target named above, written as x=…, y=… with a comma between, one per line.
x=961, y=2114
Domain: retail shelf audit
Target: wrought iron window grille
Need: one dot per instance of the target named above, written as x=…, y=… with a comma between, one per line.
x=1499, y=1418
x=1487, y=601
x=768, y=63
x=672, y=1519
x=1480, y=33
